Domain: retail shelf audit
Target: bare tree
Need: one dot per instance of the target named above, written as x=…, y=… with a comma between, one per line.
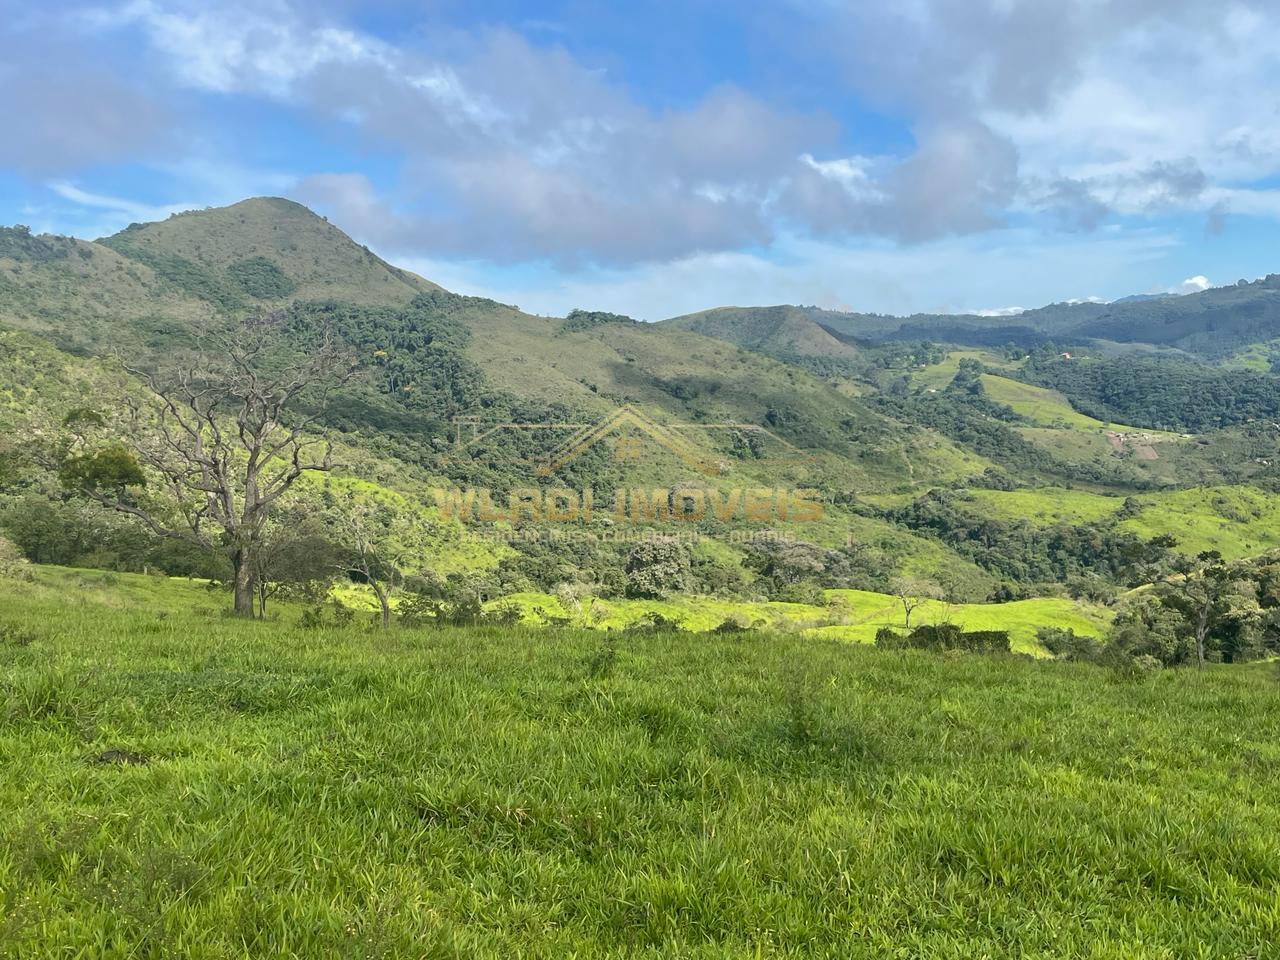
x=912, y=593
x=227, y=434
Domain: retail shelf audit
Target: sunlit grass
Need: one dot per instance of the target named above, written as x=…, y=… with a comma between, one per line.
x=178, y=783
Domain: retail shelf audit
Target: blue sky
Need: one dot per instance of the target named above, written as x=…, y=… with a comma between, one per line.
x=658, y=158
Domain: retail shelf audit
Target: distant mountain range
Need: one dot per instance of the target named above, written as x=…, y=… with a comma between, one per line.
x=1214, y=324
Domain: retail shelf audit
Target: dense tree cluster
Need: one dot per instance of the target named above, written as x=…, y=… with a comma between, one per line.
x=1160, y=394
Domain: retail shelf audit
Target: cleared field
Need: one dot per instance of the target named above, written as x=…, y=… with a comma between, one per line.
x=1047, y=506
x=852, y=615
x=1048, y=408
x=174, y=783
x=1021, y=618
x=938, y=375
x=1236, y=521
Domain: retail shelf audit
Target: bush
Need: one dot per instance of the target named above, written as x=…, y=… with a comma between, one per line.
x=888, y=638
x=944, y=636
x=1066, y=645
x=985, y=641
x=312, y=618
x=418, y=610
x=13, y=565
x=503, y=615
x=342, y=614
x=737, y=625
x=654, y=622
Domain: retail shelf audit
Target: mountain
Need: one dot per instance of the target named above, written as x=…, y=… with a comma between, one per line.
x=1215, y=324
x=973, y=467
x=776, y=331
x=150, y=281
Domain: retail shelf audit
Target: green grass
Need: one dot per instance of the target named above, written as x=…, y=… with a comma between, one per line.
x=1046, y=408
x=1236, y=521
x=176, y=783
x=868, y=612
x=848, y=615
x=1256, y=356
x=936, y=376
x=1046, y=507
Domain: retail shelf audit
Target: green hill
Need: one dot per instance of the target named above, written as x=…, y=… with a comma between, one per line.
x=777, y=331
x=774, y=397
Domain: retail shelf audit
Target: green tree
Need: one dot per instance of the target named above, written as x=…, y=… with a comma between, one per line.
x=384, y=543
x=1212, y=597
x=657, y=567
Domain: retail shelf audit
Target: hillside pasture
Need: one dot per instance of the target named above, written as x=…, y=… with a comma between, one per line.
x=177, y=783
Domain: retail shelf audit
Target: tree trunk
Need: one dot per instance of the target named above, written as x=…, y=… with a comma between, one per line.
x=1202, y=627
x=384, y=603
x=244, y=583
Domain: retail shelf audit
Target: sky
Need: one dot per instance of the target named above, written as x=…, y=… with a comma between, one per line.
x=657, y=158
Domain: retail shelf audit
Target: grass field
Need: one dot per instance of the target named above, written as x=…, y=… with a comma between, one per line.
x=1236, y=521
x=849, y=615
x=937, y=375
x=1021, y=618
x=1046, y=507
x=1046, y=408
x=176, y=783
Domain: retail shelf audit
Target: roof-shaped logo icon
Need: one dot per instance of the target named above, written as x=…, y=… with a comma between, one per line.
x=627, y=417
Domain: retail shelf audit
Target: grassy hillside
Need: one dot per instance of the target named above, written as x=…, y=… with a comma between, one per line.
x=869, y=612
x=87, y=296
x=772, y=396
x=851, y=615
x=214, y=251
x=173, y=783
x=1235, y=521
x=775, y=331
x=1046, y=506
x=1042, y=407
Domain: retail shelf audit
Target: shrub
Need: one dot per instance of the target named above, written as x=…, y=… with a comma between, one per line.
x=934, y=636
x=418, y=610
x=503, y=615
x=888, y=638
x=13, y=565
x=944, y=636
x=312, y=618
x=1066, y=645
x=737, y=625
x=654, y=622
x=985, y=641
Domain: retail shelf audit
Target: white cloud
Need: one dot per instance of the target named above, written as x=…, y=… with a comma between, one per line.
x=514, y=151
x=134, y=211
x=1197, y=284
x=511, y=151
x=953, y=275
